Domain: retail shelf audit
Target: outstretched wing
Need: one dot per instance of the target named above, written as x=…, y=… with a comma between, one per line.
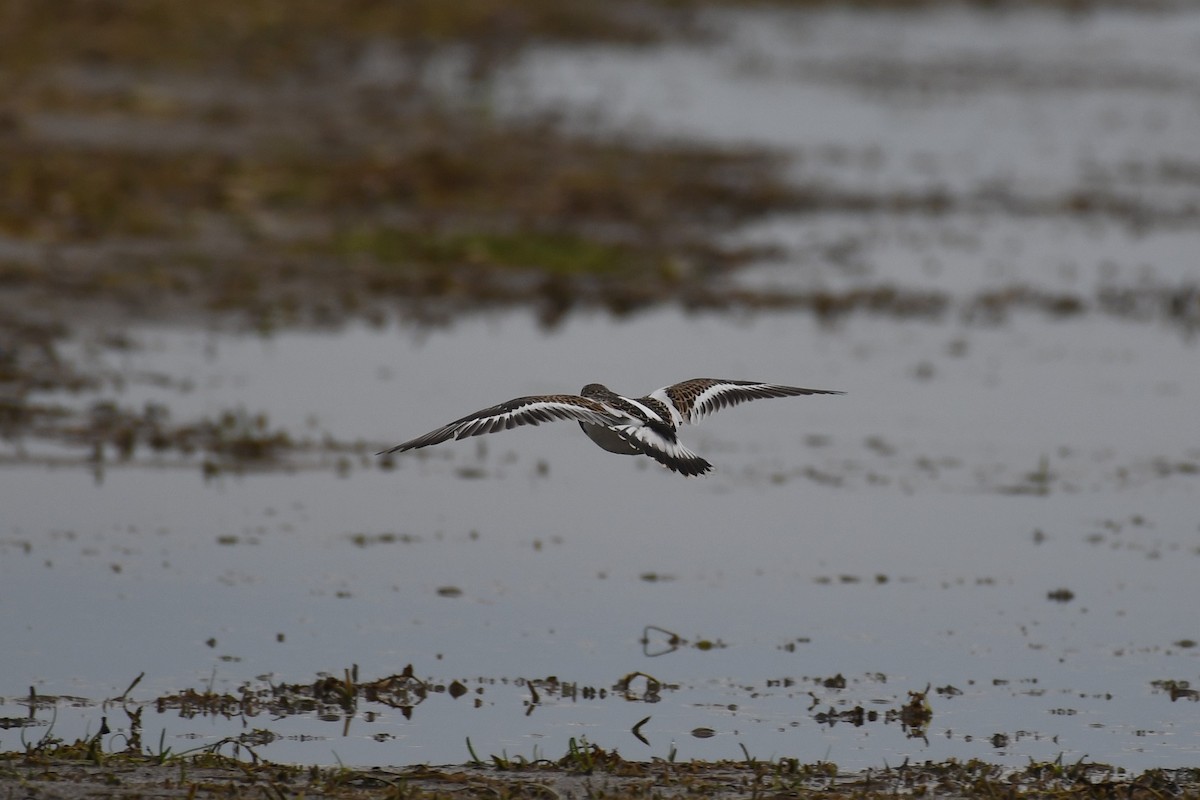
x=693, y=399
x=521, y=411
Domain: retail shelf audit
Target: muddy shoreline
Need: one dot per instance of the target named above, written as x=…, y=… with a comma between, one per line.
x=586, y=771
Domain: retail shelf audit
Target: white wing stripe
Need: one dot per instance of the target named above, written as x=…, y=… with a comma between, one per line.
x=710, y=395
x=532, y=413
x=649, y=412
x=721, y=394
x=661, y=396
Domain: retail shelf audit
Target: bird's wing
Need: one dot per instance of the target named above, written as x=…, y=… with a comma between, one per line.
x=521, y=411
x=695, y=398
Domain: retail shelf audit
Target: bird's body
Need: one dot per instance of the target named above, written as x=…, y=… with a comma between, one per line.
x=631, y=426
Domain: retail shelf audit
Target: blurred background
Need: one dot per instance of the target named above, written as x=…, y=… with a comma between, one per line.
x=246, y=245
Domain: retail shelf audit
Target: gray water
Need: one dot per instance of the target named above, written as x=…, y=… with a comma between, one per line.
x=891, y=536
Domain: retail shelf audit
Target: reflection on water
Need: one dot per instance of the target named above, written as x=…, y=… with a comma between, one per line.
x=1035, y=102
x=909, y=534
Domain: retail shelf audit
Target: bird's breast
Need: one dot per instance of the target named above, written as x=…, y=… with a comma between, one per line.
x=609, y=439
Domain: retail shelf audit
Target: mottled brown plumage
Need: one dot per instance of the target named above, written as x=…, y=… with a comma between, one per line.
x=631, y=426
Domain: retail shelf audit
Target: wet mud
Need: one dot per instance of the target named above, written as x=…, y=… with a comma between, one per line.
x=51, y=767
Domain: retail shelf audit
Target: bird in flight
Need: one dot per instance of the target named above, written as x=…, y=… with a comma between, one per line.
x=633, y=426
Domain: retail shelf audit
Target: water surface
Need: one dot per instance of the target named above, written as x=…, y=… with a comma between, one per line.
x=907, y=534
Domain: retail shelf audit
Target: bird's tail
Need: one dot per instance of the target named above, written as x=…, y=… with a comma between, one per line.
x=669, y=452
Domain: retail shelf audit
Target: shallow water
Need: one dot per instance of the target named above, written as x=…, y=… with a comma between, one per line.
x=947, y=96
x=894, y=543
x=916, y=532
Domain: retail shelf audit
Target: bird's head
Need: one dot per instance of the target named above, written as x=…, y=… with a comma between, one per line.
x=595, y=390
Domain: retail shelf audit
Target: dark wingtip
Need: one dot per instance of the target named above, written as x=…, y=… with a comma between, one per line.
x=821, y=391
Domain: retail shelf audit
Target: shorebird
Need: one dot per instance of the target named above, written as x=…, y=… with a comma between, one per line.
x=632, y=426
